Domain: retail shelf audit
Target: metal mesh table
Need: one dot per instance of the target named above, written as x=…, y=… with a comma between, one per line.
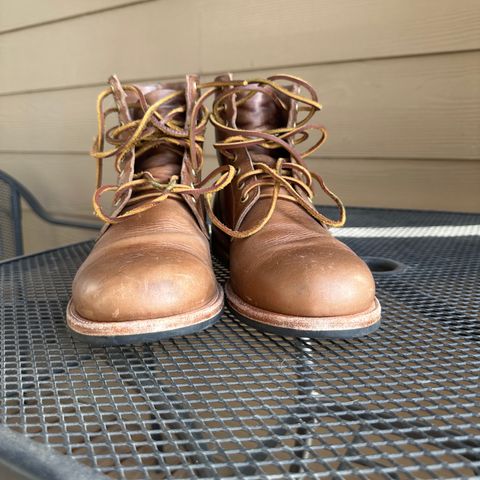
x=234, y=402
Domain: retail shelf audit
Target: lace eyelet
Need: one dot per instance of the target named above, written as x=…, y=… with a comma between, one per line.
x=241, y=185
x=244, y=198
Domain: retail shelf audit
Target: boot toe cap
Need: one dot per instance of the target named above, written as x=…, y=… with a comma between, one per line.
x=309, y=282
x=126, y=285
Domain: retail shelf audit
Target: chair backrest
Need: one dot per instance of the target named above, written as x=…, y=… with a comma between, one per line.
x=11, y=241
x=11, y=238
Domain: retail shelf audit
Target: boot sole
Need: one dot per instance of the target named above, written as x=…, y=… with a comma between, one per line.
x=144, y=331
x=348, y=326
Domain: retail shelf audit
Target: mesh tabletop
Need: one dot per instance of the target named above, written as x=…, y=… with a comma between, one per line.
x=234, y=402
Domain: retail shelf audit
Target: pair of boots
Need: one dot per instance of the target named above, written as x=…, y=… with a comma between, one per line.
x=150, y=273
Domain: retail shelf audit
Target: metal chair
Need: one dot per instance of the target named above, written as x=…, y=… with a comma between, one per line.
x=11, y=232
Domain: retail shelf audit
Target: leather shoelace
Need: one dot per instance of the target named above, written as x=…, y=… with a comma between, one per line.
x=149, y=132
x=154, y=129
x=299, y=188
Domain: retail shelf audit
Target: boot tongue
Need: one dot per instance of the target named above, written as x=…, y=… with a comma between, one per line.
x=161, y=162
x=261, y=112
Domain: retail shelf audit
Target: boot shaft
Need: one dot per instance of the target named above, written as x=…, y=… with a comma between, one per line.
x=152, y=145
x=258, y=130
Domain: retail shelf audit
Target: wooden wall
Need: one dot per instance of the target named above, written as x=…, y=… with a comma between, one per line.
x=399, y=81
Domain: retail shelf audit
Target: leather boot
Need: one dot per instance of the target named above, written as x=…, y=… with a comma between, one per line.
x=149, y=275
x=288, y=274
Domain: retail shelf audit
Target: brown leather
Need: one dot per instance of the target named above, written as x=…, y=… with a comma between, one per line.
x=155, y=264
x=292, y=267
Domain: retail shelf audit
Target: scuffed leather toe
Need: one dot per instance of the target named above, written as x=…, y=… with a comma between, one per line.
x=310, y=281
x=133, y=284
